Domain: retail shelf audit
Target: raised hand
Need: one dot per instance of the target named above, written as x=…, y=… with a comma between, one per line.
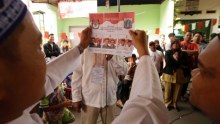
x=139, y=40
x=85, y=37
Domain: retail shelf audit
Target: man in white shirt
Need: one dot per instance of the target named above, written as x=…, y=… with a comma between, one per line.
x=145, y=104
x=22, y=65
x=156, y=56
x=162, y=42
x=89, y=82
x=23, y=74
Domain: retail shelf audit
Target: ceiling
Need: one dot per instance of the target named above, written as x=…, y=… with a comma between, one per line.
x=112, y=2
x=130, y=2
x=53, y=2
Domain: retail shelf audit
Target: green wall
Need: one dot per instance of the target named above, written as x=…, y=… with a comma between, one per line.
x=147, y=17
x=166, y=17
x=66, y=23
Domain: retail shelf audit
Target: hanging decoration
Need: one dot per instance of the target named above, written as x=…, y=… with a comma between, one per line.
x=157, y=31
x=63, y=35
x=207, y=23
x=186, y=28
x=193, y=26
x=196, y=25
x=46, y=34
x=200, y=25
x=214, y=21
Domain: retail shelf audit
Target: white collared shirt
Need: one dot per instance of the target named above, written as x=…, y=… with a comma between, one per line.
x=94, y=94
x=157, y=58
x=145, y=104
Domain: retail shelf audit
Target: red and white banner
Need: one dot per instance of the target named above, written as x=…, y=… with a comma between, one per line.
x=76, y=9
x=110, y=33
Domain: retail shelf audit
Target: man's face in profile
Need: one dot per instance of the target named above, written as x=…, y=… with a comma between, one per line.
x=24, y=77
x=205, y=93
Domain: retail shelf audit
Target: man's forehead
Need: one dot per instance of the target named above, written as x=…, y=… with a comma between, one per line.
x=210, y=56
x=188, y=33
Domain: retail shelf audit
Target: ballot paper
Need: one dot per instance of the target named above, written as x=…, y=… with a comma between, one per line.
x=110, y=33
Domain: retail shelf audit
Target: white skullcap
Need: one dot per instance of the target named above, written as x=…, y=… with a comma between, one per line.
x=12, y=12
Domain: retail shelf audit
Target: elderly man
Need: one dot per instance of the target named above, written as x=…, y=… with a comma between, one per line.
x=22, y=64
x=24, y=73
x=205, y=81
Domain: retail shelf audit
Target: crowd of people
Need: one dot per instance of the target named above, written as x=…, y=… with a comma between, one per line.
x=174, y=60
x=26, y=77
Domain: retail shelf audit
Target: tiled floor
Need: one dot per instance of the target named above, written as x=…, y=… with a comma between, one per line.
x=187, y=115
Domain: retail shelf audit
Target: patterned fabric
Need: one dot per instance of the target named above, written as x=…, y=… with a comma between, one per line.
x=55, y=99
x=12, y=12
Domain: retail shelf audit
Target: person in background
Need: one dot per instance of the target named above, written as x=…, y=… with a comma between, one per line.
x=173, y=75
x=94, y=86
x=146, y=107
x=157, y=45
x=172, y=38
x=205, y=93
x=203, y=42
x=22, y=58
x=197, y=39
x=157, y=57
x=145, y=104
x=192, y=50
x=51, y=49
x=56, y=111
x=187, y=45
x=64, y=46
x=119, y=93
x=142, y=107
x=127, y=82
x=163, y=42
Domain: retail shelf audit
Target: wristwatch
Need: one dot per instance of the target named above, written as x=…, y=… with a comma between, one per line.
x=81, y=49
